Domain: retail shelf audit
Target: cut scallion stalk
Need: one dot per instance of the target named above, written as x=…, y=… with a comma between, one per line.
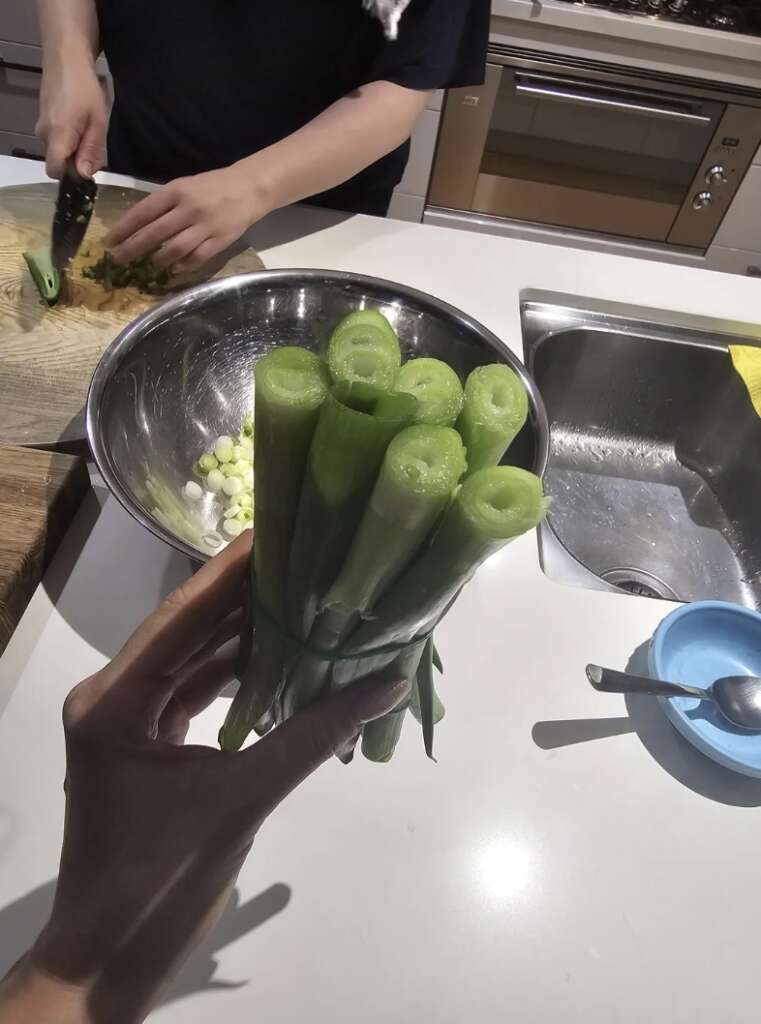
x=494, y=410
x=365, y=317
x=290, y=386
x=350, y=440
x=45, y=276
x=492, y=507
x=364, y=348
x=380, y=737
x=421, y=469
x=436, y=387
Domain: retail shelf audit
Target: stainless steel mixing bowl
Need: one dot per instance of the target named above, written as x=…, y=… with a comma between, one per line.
x=180, y=376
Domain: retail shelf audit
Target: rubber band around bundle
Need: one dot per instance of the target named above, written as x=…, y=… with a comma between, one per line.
x=304, y=647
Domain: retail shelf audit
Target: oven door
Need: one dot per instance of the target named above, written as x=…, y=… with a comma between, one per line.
x=582, y=152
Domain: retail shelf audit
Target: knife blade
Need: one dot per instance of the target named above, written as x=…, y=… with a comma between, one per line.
x=73, y=210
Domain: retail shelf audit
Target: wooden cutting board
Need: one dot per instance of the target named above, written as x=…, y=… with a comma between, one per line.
x=39, y=494
x=48, y=354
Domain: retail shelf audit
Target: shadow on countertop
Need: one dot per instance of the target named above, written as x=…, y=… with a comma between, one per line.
x=22, y=920
x=661, y=740
x=291, y=224
x=121, y=576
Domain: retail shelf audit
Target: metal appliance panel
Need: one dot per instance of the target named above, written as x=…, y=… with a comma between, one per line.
x=458, y=155
x=570, y=207
x=723, y=167
x=579, y=145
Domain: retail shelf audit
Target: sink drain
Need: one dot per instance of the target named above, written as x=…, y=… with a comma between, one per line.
x=639, y=582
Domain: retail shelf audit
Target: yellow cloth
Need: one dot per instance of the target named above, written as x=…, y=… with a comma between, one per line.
x=747, y=360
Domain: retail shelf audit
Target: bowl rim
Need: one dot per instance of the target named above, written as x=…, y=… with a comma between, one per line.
x=665, y=626
x=671, y=707
x=122, y=344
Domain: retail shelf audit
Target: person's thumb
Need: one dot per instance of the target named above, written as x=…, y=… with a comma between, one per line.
x=289, y=753
x=91, y=153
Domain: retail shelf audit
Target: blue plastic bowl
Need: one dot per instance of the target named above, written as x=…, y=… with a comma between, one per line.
x=698, y=644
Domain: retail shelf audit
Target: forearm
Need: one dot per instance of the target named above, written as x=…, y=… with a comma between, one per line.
x=350, y=135
x=69, y=30
x=28, y=996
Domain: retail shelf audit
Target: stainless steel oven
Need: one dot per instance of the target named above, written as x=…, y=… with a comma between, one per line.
x=589, y=147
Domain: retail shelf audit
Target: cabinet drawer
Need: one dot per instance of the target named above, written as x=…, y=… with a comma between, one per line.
x=15, y=144
x=741, y=227
x=404, y=207
x=18, y=22
x=19, y=99
x=418, y=172
x=734, y=261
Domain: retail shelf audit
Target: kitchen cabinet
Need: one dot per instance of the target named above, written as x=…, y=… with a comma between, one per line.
x=404, y=207
x=418, y=171
x=408, y=201
x=19, y=98
x=20, y=78
x=734, y=261
x=18, y=144
x=736, y=248
x=19, y=91
x=741, y=227
x=18, y=22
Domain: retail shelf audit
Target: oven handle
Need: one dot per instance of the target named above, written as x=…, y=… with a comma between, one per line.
x=551, y=92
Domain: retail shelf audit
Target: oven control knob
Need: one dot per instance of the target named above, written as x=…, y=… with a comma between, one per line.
x=715, y=175
x=701, y=199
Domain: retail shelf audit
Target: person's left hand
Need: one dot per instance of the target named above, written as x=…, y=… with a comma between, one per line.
x=156, y=830
x=189, y=220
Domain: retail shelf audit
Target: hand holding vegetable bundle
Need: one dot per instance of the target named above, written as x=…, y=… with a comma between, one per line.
x=364, y=534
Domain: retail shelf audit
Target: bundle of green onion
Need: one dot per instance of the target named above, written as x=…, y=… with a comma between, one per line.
x=364, y=531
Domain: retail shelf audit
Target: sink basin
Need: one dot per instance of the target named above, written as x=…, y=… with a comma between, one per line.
x=655, y=454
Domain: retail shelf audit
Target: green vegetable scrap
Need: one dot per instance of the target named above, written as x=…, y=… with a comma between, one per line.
x=141, y=274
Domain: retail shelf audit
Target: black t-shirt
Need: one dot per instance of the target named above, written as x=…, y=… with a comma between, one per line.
x=200, y=84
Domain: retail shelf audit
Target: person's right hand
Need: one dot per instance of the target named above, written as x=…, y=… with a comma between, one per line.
x=72, y=118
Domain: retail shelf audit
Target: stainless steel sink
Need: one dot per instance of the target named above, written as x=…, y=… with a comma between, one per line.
x=655, y=452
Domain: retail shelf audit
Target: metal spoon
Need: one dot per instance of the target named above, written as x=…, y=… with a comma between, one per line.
x=737, y=697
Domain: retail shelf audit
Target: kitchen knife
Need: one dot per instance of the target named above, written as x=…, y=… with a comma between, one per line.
x=73, y=210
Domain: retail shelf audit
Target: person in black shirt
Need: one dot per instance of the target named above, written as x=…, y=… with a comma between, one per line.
x=243, y=106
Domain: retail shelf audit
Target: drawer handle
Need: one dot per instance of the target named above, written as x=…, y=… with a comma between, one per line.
x=25, y=154
x=13, y=66
x=614, y=101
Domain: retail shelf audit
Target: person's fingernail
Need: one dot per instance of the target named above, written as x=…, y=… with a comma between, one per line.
x=374, y=698
x=86, y=169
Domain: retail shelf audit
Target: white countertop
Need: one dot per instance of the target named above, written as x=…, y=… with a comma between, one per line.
x=562, y=861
